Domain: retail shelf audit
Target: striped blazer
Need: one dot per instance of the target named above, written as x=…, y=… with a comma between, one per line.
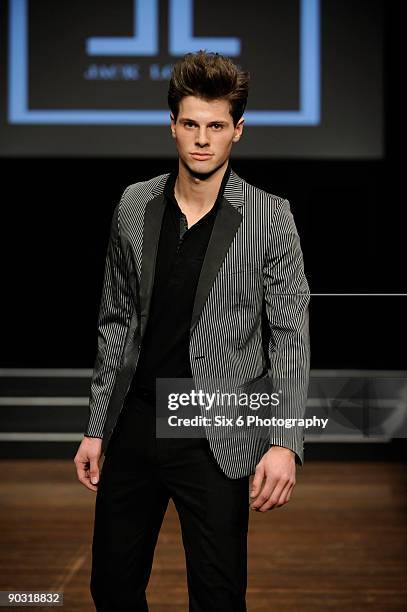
x=249, y=320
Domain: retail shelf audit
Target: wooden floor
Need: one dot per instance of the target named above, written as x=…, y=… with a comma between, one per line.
x=339, y=544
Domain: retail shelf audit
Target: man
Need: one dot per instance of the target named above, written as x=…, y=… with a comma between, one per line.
x=198, y=259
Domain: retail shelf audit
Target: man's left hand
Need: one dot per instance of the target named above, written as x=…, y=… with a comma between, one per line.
x=277, y=466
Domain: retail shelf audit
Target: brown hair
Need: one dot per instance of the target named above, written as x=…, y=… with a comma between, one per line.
x=209, y=76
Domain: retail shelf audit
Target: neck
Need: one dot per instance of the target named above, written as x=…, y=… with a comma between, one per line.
x=195, y=193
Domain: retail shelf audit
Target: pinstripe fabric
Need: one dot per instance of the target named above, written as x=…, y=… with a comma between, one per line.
x=254, y=261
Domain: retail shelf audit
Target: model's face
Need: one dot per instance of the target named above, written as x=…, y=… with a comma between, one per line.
x=204, y=134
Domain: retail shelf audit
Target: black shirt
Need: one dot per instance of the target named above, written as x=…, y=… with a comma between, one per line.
x=165, y=346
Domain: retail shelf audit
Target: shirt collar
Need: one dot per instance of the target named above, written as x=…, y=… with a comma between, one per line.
x=170, y=187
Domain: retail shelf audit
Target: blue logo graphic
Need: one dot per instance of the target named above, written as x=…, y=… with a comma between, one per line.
x=145, y=40
x=145, y=43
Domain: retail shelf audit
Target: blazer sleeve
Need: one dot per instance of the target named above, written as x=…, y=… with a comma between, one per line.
x=287, y=296
x=115, y=313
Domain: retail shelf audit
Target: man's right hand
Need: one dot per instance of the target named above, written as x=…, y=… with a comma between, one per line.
x=87, y=462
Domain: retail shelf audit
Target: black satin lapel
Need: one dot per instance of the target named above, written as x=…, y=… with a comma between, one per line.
x=153, y=215
x=225, y=226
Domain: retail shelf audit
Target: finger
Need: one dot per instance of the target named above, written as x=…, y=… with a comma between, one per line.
x=81, y=468
x=285, y=495
x=290, y=491
x=84, y=479
x=265, y=493
x=257, y=480
x=94, y=470
x=83, y=473
x=273, y=499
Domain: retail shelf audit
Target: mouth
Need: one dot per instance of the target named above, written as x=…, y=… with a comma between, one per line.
x=201, y=156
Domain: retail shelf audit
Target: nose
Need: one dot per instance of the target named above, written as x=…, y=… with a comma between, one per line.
x=202, y=137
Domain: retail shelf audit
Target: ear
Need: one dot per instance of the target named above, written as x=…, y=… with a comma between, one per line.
x=172, y=125
x=238, y=129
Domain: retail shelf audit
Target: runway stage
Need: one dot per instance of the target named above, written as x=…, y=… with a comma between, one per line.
x=339, y=544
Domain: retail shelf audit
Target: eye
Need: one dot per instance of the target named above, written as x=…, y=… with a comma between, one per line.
x=189, y=124
x=217, y=126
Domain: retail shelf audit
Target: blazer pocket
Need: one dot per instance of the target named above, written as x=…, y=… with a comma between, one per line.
x=250, y=268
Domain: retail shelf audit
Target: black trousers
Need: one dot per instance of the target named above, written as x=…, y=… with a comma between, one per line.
x=139, y=475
